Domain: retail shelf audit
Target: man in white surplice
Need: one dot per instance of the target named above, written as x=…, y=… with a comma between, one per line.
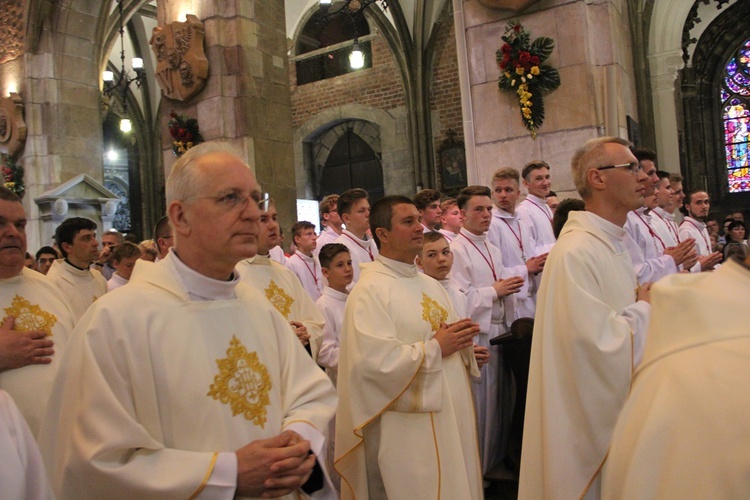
x=589, y=330
x=490, y=289
x=405, y=424
x=513, y=237
x=187, y=383
x=534, y=209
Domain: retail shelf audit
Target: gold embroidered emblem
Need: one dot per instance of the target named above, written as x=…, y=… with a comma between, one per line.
x=433, y=313
x=279, y=298
x=243, y=383
x=30, y=316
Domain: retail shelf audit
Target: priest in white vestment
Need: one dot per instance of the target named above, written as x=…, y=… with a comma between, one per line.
x=490, y=289
x=81, y=285
x=405, y=425
x=281, y=286
x=22, y=474
x=534, y=209
x=683, y=432
x=187, y=383
x=35, y=317
x=589, y=331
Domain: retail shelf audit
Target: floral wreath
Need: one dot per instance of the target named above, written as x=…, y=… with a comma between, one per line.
x=185, y=132
x=522, y=70
x=12, y=175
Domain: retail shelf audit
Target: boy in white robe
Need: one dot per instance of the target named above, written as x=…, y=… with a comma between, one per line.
x=302, y=262
x=534, y=209
x=697, y=205
x=589, y=331
x=683, y=431
x=336, y=263
x=123, y=260
x=36, y=317
x=405, y=424
x=354, y=209
x=490, y=289
x=206, y=390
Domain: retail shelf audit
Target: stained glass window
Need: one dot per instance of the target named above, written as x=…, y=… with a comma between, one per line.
x=735, y=101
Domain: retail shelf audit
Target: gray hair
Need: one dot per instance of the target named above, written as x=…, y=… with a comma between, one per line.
x=587, y=157
x=184, y=179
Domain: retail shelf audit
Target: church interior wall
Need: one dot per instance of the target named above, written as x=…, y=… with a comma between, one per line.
x=593, y=56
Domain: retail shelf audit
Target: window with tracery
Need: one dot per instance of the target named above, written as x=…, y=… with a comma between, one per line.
x=735, y=100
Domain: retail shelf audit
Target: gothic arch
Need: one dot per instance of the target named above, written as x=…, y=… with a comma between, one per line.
x=703, y=160
x=394, y=148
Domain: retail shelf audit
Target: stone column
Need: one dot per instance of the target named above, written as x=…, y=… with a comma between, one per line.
x=246, y=100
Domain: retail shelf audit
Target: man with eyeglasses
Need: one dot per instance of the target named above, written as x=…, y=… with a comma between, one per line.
x=187, y=381
x=45, y=256
x=589, y=330
x=653, y=257
x=163, y=237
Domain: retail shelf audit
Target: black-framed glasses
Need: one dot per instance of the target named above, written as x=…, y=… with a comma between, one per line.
x=634, y=167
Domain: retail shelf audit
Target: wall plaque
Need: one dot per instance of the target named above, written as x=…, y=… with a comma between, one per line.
x=181, y=63
x=12, y=127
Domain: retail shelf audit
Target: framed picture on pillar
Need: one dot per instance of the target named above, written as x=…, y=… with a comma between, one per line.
x=452, y=155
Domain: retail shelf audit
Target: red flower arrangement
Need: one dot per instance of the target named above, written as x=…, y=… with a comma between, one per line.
x=12, y=175
x=522, y=72
x=185, y=132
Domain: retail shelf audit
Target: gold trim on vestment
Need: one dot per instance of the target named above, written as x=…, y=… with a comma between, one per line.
x=437, y=454
x=29, y=317
x=243, y=383
x=207, y=477
x=279, y=299
x=359, y=428
x=432, y=312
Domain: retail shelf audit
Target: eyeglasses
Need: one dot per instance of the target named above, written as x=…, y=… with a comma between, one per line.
x=634, y=167
x=234, y=200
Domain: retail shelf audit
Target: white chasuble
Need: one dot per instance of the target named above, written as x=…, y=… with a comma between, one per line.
x=81, y=287
x=683, y=432
x=405, y=425
x=284, y=291
x=155, y=386
x=36, y=304
x=587, y=327
x=22, y=473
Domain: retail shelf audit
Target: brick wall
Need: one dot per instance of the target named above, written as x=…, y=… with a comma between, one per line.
x=445, y=93
x=379, y=87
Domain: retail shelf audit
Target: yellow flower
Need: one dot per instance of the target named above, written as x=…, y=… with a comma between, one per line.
x=526, y=113
x=519, y=70
x=507, y=74
x=189, y=145
x=535, y=70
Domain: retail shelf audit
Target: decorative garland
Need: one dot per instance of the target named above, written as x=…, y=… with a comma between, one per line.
x=12, y=175
x=185, y=132
x=523, y=72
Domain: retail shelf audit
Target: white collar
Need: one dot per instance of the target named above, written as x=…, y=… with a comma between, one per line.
x=473, y=237
x=408, y=270
x=335, y=294
x=365, y=242
x=199, y=286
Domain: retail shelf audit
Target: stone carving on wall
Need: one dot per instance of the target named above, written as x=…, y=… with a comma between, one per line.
x=514, y=5
x=181, y=63
x=12, y=126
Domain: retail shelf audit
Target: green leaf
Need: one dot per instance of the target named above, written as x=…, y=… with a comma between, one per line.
x=542, y=47
x=548, y=79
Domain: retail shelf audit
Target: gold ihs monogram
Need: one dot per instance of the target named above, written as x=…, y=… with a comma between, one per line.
x=433, y=313
x=30, y=316
x=243, y=383
x=279, y=299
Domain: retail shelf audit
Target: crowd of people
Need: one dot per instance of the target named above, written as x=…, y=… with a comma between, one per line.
x=374, y=359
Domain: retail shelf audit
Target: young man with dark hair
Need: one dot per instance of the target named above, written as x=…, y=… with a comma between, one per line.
x=404, y=427
x=163, y=237
x=490, y=288
x=534, y=209
x=697, y=206
x=45, y=256
x=552, y=201
x=302, y=263
x=330, y=222
x=336, y=263
x=427, y=202
x=354, y=209
x=76, y=239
